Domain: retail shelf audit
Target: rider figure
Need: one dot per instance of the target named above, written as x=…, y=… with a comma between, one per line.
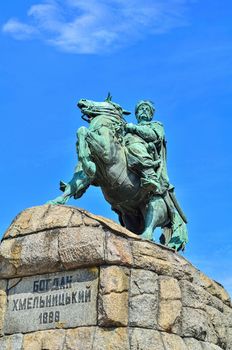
x=146, y=148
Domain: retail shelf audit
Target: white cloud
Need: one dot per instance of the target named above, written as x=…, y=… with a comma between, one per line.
x=96, y=26
x=19, y=30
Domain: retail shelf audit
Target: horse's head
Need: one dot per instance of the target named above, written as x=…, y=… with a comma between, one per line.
x=92, y=109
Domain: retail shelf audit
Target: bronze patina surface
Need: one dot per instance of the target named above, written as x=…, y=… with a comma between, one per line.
x=128, y=162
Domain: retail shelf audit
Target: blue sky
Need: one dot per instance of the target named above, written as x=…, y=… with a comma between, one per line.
x=177, y=53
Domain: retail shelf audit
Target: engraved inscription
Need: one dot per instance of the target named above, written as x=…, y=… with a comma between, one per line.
x=45, y=285
x=63, y=299
x=52, y=301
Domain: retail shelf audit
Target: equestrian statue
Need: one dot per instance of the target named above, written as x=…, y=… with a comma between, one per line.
x=128, y=162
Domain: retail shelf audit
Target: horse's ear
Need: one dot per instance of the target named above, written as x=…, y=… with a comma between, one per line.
x=108, y=98
x=125, y=112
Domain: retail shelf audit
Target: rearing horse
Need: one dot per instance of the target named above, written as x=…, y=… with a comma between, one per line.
x=103, y=162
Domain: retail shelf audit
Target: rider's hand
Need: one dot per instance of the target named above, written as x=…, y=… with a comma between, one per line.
x=130, y=127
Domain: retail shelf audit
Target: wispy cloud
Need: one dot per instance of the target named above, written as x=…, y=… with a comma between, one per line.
x=96, y=26
x=19, y=30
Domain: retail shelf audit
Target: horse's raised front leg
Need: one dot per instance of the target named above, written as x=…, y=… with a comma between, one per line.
x=74, y=188
x=84, y=153
x=156, y=214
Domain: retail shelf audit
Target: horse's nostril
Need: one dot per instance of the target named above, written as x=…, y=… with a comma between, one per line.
x=81, y=103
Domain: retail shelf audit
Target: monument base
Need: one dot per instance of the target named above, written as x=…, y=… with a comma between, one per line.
x=75, y=281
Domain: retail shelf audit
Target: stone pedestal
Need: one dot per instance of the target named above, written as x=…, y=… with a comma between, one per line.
x=75, y=281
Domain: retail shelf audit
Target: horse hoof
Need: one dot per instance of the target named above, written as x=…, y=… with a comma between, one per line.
x=51, y=202
x=146, y=236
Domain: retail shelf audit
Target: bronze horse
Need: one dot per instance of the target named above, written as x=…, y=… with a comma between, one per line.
x=103, y=162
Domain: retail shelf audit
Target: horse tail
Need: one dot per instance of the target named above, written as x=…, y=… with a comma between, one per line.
x=175, y=235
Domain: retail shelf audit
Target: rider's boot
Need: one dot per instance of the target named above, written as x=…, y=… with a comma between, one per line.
x=150, y=181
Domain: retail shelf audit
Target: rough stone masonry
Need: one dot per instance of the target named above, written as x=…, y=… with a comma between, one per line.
x=75, y=281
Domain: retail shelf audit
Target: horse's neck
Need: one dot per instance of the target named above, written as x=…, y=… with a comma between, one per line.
x=108, y=153
x=105, y=120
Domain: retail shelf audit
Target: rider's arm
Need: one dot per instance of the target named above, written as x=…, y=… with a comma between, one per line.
x=146, y=133
x=149, y=132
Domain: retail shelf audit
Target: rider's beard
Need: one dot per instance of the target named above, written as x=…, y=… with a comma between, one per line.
x=144, y=117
